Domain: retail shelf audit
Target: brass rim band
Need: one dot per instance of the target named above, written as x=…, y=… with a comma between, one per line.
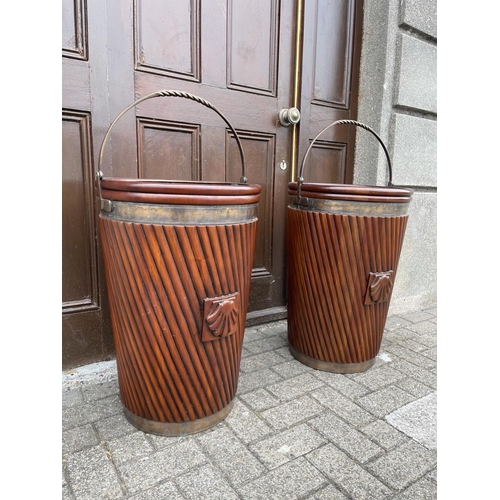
x=148, y=213
x=172, y=429
x=365, y=208
x=328, y=366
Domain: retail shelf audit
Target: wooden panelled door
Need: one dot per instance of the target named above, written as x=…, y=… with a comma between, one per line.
x=250, y=60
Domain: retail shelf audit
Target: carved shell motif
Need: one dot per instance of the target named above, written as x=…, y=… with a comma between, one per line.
x=379, y=288
x=221, y=317
x=223, y=320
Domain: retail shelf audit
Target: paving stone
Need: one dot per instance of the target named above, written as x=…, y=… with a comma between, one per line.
x=328, y=493
x=287, y=445
x=250, y=381
x=228, y=453
x=292, y=480
x=432, y=476
x=421, y=490
x=161, y=442
x=342, y=384
x=428, y=339
x=266, y=344
x=79, y=438
x=294, y=387
x=162, y=465
x=260, y=361
x=432, y=310
x=347, y=475
x=285, y=353
x=400, y=334
x=404, y=465
x=413, y=357
x=384, y=434
x=342, y=406
x=114, y=427
x=414, y=345
x=252, y=334
x=423, y=327
x=420, y=374
x=416, y=316
x=418, y=420
x=395, y=322
x=246, y=424
x=93, y=392
x=130, y=447
x=385, y=401
x=205, y=483
x=76, y=416
x=430, y=353
x=291, y=369
x=66, y=493
x=274, y=328
x=292, y=412
x=245, y=353
x=92, y=475
x=294, y=432
x=351, y=441
x=413, y=387
x=164, y=491
x=260, y=399
x=72, y=397
x=376, y=378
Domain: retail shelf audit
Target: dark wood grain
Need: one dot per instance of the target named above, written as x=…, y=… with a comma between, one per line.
x=157, y=278
x=335, y=261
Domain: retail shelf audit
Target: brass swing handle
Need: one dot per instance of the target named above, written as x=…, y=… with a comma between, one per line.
x=300, y=178
x=168, y=93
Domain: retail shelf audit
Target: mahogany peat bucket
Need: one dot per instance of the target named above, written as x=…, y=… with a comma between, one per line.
x=344, y=244
x=178, y=260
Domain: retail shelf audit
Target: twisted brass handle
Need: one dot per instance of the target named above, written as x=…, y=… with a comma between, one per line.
x=168, y=93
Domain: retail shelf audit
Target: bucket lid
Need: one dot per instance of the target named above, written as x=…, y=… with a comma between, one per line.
x=350, y=192
x=179, y=192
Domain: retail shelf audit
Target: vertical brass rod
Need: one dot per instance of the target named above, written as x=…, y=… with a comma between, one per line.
x=296, y=83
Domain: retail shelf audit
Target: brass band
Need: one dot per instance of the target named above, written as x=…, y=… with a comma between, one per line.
x=148, y=213
x=328, y=366
x=367, y=208
x=177, y=429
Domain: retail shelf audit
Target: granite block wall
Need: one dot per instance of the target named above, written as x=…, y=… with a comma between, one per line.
x=398, y=98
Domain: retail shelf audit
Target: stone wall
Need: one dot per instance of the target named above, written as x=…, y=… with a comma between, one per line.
x=398, y=98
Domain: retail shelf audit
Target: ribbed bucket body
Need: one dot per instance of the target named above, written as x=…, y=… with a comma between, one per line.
x=344, y=250
x=178, y=294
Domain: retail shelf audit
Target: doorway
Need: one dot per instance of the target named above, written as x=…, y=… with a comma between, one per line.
x=251, y=60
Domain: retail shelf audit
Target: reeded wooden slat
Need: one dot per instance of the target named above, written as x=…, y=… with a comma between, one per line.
x=330, y=260
x=158, y=277
x=180, y=297
x=137, y=348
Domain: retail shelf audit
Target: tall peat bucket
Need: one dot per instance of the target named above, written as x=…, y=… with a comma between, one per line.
x=178, y=259
x=344, y=244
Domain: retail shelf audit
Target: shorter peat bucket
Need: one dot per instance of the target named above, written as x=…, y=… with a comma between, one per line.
x=178, y=260
x=344, y=244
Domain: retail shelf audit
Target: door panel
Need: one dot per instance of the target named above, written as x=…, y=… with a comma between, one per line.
x=252, y=55
x=330, y=74
x=240, y=56
x=240, y=69
x=159, y=142
x=79, y=252
x=167, y=38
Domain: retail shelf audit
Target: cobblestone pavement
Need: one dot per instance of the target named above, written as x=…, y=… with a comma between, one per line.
x=294, y=432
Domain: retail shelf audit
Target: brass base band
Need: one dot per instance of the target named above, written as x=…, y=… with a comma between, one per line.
x=328, y=366
x=172, y=429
